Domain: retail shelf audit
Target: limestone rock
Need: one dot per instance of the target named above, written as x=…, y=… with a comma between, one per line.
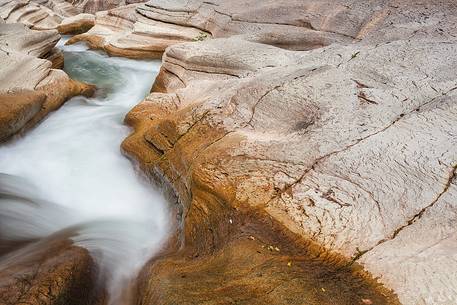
x=16, y=109
x=124, y=32
x=62, y=8
x=26, y=76
x=30, y=13
x=48, y=272
x=76, y=24
x=48, y=14
x=93, y=6
x=350, y=145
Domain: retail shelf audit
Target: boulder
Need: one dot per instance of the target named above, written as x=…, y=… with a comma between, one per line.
x=30, y=87
x=48, y=272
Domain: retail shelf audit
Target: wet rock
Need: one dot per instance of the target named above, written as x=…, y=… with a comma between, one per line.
x=16, y=109
x=27, y=74
x=49, y=272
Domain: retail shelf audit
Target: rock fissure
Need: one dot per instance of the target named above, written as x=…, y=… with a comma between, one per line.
x=417, y=216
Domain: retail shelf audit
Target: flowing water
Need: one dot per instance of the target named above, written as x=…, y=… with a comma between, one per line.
x=69, y=172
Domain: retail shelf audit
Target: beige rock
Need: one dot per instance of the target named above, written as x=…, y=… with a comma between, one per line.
x=123, y=32
x=27, y=12
x=62, y=8
x=76, y=24
x=25, y=78
x=48, y=14
x=352, y=146
x=93, y=6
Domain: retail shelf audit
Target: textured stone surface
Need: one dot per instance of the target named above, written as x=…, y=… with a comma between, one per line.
x=48, y=14
x=124, y=32
x=48, y=272
x=26, y=75
x=351, y=145
x=30, y=13
x=76, y=24
x=93, y=6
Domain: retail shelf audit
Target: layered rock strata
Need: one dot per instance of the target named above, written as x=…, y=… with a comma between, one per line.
x=76, y=24
x=30, y=87
x=125, y=32
x=48, y=14
x=32, y=14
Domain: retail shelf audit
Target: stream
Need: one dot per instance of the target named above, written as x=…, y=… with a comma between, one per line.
x=69, y=173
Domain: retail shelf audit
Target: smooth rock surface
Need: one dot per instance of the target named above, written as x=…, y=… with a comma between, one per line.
x=27, y=74
x=57, y=273
x=124, y=32
x=76, y=24
x=351, y=145
x=30, y=13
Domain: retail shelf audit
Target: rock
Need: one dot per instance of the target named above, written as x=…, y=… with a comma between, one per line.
x=48, y=272
x=76, y=24
x=17, y=37
x=93, y=6
x=62, y=8
x=27, y=12
x=123, y=32
x=294, y=25
x=16, y=109
x=350, y=146
x=25, y=77
x=48, y=14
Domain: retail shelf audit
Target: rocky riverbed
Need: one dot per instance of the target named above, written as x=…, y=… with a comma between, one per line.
x=307, y=148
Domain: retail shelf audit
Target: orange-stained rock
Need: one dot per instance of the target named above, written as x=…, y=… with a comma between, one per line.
x=76, y=24
x=51, y=271
x=18, y=108
x=30, y=86
x=349, y=147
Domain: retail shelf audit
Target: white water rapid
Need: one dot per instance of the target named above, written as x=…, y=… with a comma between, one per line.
x=71, y=168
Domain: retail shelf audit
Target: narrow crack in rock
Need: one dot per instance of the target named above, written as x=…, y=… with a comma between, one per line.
x=412, y=220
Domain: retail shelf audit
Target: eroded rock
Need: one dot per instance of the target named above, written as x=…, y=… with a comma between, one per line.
x=351, y=146
x=30, y=13
x=124, y=32
x=76, y=24
x=49, y=272
x=27, y=75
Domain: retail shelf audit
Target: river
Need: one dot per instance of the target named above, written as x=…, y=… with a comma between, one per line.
x=71, y=167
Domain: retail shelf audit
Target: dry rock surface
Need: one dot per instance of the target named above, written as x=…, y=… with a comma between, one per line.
x=76, y=24
x=332, y=121
x=48, y=14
